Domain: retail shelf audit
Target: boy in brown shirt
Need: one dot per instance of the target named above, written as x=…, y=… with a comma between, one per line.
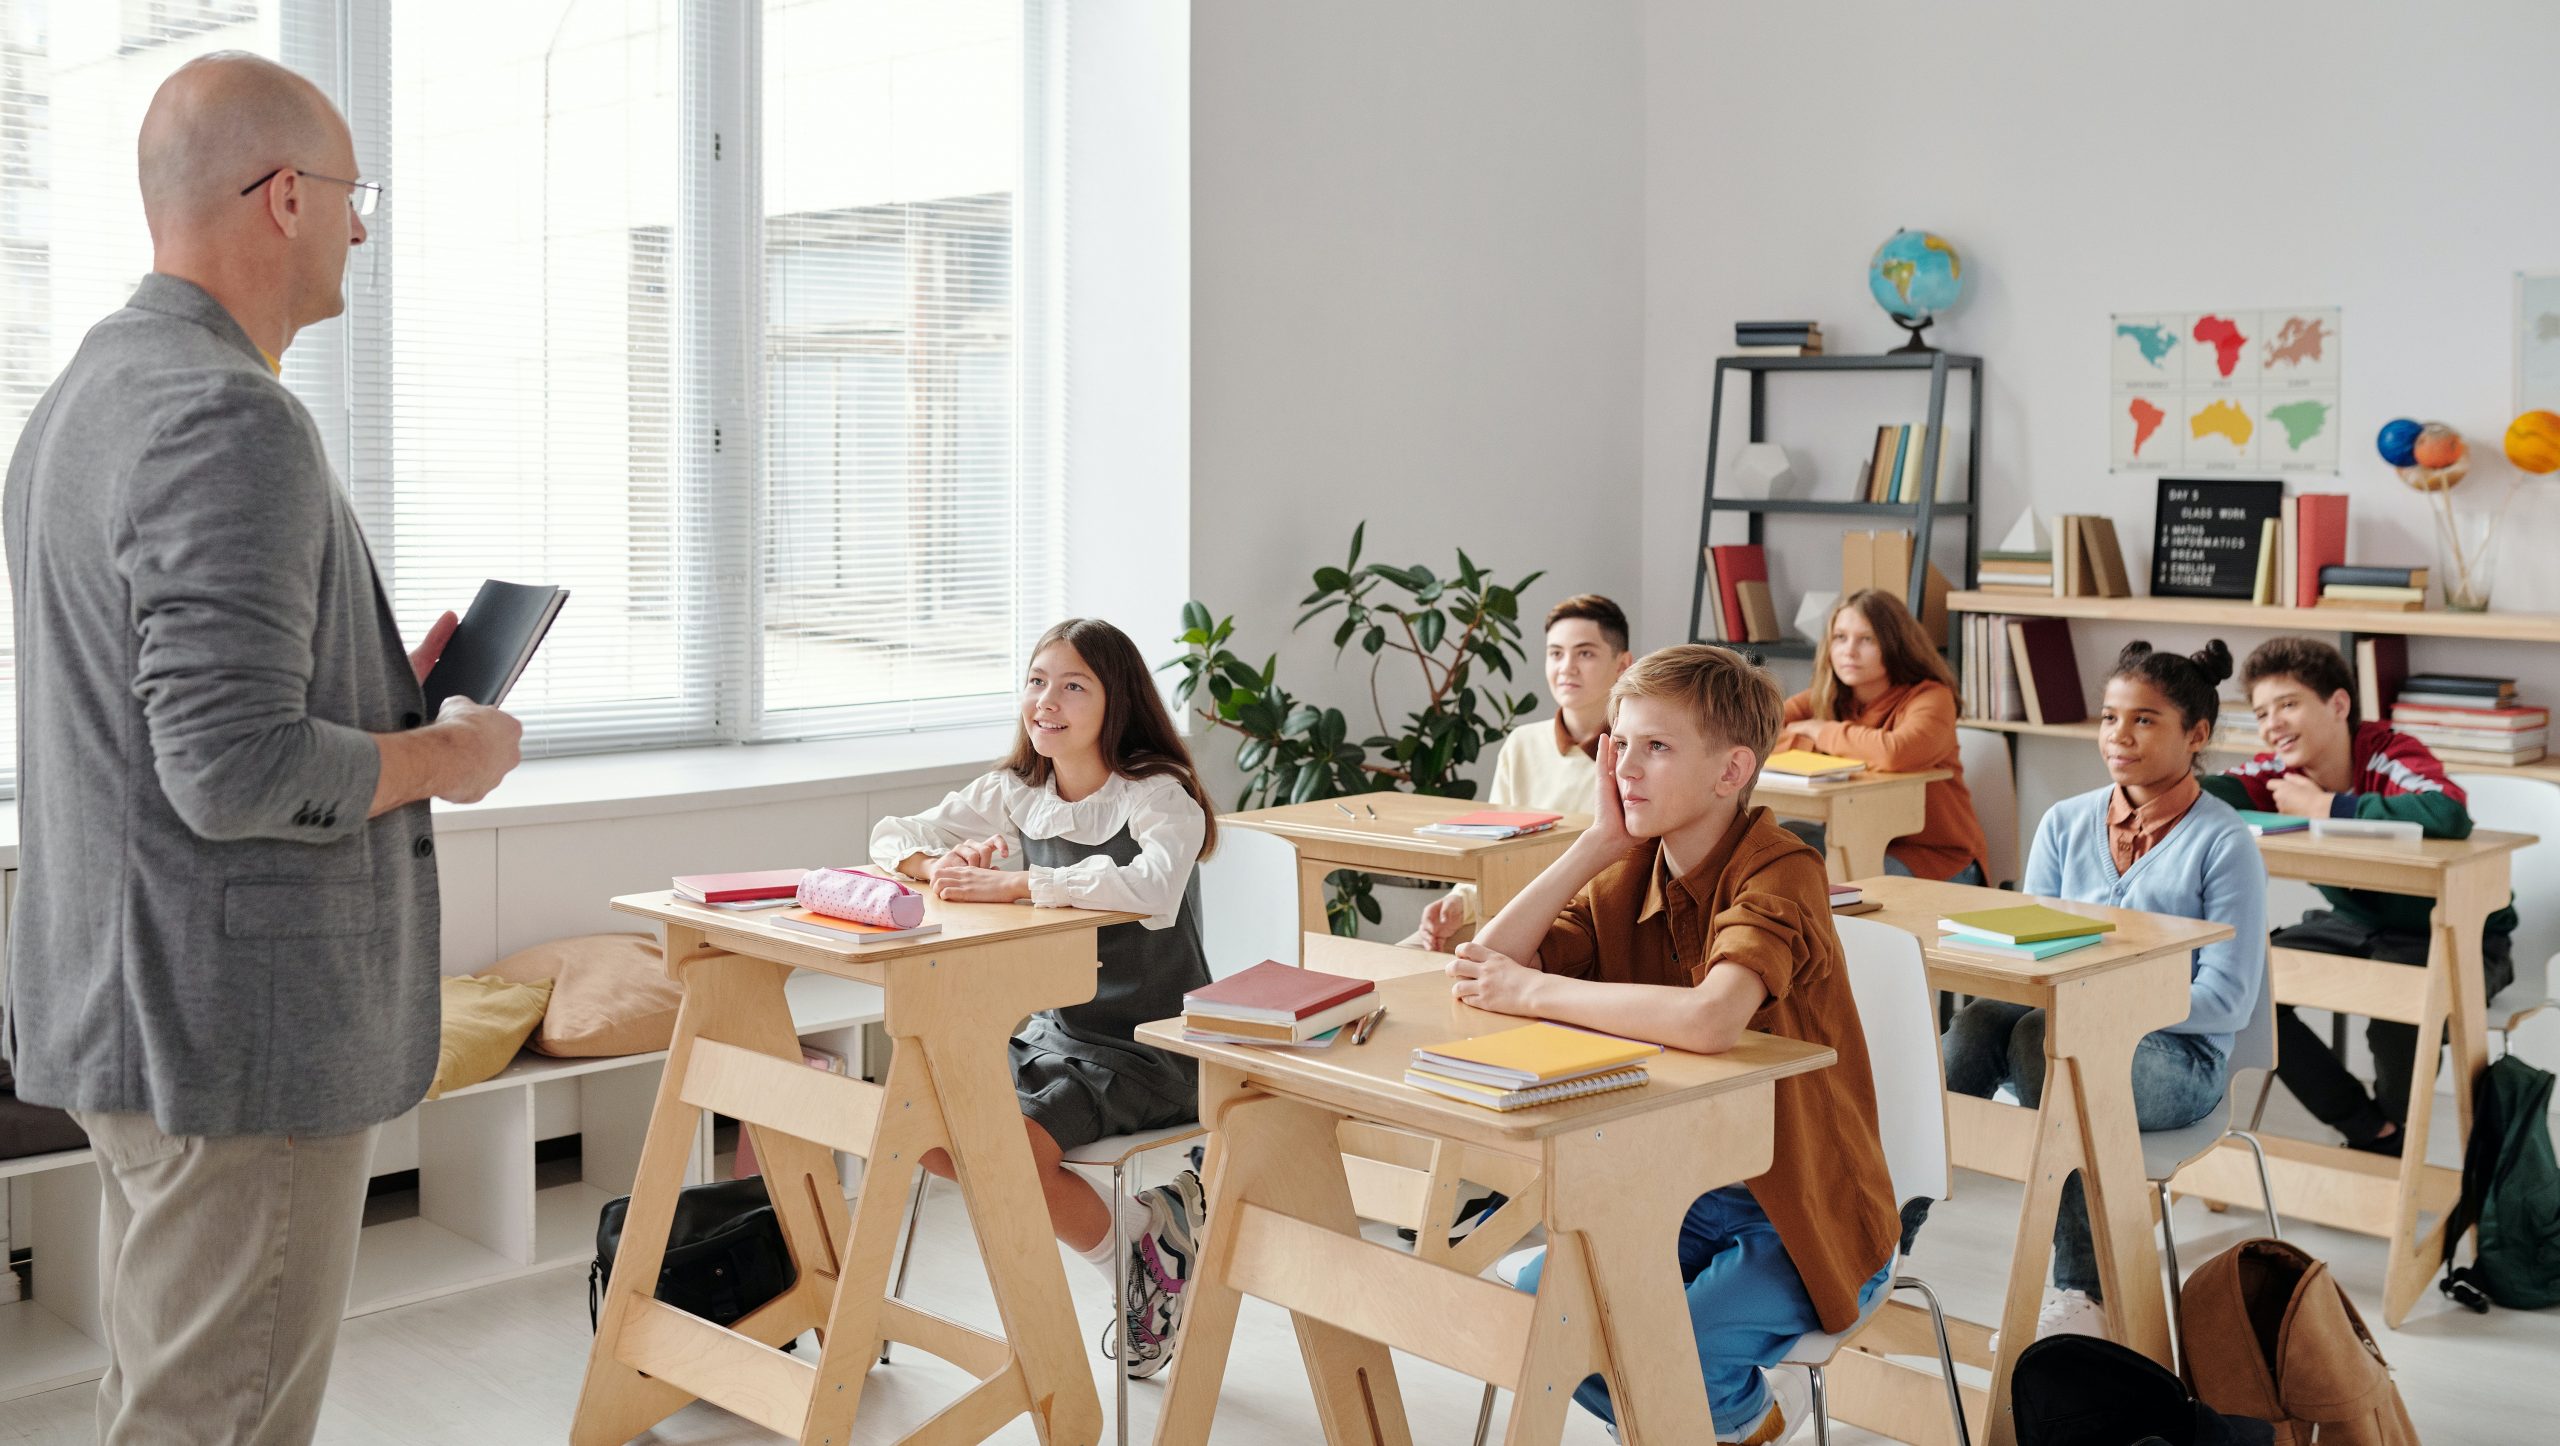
x=1685, y=916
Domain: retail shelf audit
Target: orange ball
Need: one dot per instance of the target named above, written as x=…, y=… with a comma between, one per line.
x=2439, y=446
x=2533, y=443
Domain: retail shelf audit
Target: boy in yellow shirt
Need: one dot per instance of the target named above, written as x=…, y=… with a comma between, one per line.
x=1685, y=916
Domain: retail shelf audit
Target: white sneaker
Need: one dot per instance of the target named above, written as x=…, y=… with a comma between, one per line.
x=2066, y=1313
x=1790, y=1403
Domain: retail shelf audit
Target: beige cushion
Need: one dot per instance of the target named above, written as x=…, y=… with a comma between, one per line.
x=610, y=994
x=486, y=1021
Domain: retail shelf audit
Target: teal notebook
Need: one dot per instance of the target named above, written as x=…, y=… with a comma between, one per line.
x=2045, y=950
x=2263, y=823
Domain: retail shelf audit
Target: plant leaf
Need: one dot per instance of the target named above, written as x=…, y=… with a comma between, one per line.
x=1319, y=610
x=1195, y=618
x=1429, y=627
x=1375, y=639
x=1356, y=534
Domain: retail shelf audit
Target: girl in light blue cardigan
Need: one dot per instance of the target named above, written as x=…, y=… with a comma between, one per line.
x=2151, y=840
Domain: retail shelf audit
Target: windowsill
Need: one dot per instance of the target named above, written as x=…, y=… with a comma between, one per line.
x=691, y=780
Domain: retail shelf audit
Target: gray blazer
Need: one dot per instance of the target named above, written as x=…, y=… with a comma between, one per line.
x=207, y=929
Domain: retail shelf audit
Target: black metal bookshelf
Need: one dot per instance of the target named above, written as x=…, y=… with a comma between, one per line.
x=1922, y=512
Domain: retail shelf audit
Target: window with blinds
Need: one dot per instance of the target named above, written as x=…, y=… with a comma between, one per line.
x=761, y=376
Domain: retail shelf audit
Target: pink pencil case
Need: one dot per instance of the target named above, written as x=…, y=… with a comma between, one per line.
x=863, y=898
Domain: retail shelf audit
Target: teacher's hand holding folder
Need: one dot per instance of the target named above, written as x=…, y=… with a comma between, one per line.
x=465, y=668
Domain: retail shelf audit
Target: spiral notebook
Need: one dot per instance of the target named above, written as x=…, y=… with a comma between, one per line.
x=1493, y=1097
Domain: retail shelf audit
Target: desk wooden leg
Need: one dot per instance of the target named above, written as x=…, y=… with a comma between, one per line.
x=1559, y=1353
x=2090, y=1036
x=1281, y=1155
x=2057, y=1154
x=729, y=998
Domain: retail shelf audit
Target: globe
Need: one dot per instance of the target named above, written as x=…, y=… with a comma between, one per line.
x=2438, y=446
x=1915, y=275
x=2398, y=442
x=2533, y=443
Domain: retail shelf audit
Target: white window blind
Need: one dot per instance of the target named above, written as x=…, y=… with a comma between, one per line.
x=735, y=317
x=908, y=454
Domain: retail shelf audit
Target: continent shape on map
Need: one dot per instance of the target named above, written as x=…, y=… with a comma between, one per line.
x=2298, y=341
x=1900, y=273
x=2223, y=335
x=2146, y=420
x=2301, y=420
x=2155, y=341
x=2224, y=419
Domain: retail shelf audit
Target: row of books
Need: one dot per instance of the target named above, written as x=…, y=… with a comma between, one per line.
x=2391, y=589
x=2026, y=931
x=2083, y=559
x=2020, y=670
x=1777, y=338
x=2465, y=718
x=2307, y=536
x=1892, y=470
x=1738, y=578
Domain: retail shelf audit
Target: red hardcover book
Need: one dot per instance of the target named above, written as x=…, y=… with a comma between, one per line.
x=1736, y=565
x=2382, y=664
x=2322, y=518
x=734, y=888
x=2048, y=674
x=1274, y=993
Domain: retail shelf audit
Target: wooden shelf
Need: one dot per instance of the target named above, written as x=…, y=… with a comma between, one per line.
x=2218, y=613
x=2546, y=769
x=41, y=1164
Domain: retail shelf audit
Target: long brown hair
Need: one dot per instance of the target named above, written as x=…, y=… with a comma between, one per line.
x=1909, y=657
x=1137, y=739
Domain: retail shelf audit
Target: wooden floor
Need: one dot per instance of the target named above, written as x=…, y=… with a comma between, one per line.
x=500, y=1366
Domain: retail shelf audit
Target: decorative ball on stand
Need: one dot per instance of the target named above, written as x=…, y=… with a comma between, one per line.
x=1915, y=275
x=2397, y=439
x=2438, y=460
x=2533, y=443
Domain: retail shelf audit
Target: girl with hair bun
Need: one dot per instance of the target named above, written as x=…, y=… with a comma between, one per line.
x=2153, y=840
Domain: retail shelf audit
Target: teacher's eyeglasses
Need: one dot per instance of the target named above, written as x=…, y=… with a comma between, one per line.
x=362, y=196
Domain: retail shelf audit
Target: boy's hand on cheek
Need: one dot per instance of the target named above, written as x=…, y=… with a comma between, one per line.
x=1492, y=981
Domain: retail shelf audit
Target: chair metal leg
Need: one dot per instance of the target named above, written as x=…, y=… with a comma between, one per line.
x=1484, y=1416
x=1120, y=1292
x=1821, y=1409
x=1946, y=1353
x=2177, y=1289
x=907, y=1247
x=2266, y=1190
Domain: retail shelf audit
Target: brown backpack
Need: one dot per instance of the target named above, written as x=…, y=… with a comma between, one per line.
x=2266, y=1332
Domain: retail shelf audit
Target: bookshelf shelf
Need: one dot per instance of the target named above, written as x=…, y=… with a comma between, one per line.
x=2219, y=613
x=1882, y=362
x=1839, y=509
x=2548, y=769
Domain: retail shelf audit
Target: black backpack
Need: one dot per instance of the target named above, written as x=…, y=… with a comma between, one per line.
x=2083, y=1391
x=725, y=1256
x=2511, y=1190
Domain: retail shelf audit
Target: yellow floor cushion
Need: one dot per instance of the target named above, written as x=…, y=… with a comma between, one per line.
x=486, y=1020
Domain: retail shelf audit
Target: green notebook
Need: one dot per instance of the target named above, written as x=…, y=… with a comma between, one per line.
x=2266, y=823
x=2024, y=924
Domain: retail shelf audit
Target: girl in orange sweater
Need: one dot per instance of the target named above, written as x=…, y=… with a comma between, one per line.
x=1882, y=695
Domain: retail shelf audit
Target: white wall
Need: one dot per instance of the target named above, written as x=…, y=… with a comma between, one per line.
x=2087, y=160
x=1415, y=297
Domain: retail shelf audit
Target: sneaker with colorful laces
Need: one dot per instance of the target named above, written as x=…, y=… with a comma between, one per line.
x=1159, y=1265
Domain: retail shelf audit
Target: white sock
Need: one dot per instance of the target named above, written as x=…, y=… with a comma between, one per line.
x=1134, y=1220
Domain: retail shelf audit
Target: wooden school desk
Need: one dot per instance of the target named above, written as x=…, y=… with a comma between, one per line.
x=2355, y=1189
x=1327, y=840
x=2098, y=1002
x=1859, y=816
x=1618, y=1172
x=952, y=1000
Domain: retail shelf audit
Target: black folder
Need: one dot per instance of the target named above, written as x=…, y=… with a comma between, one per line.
x=494, y=644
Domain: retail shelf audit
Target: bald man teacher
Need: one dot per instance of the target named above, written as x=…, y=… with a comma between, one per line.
x=224, y=945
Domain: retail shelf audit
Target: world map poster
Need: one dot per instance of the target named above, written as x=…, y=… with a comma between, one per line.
x=2223, y=391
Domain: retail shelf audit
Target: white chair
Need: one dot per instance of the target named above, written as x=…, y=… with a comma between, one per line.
x=1994, y=786
x=1898, y=1015
x=2524, y=805
x=2166, y=1152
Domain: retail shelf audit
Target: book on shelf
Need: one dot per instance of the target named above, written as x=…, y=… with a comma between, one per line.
x=2092, y=559
x=1787, y=349
x=2478, y=720
x=2472, y=685
x=2351, y=594
x=1711, y=617
x=2048, y=672
x=2382, y=663
x=1895, y=465
x=2320, y=525
x=2264, y=593
x=1746, y=330
x=1736, y=564
x=2486, y=760
x=1882, y=560
x=2287, y=513
x=2414, y=696
x=1759, y=613
x=2476, y=740
x=2366, y=576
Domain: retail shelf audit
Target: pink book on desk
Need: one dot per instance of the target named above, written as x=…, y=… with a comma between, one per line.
x=1274, y=993
x=730, y=888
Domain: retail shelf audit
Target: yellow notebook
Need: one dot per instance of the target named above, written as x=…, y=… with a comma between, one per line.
x=1532, y=1054
x=2025, y=924
x=1495, y=1097
x=1805, y=763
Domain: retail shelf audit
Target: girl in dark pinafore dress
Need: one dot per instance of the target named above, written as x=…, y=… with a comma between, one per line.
x=1097, y=808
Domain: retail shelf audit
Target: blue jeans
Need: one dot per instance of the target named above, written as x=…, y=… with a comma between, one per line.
x=1747, y=1306
x=1814, y=834
x=2177, y=1079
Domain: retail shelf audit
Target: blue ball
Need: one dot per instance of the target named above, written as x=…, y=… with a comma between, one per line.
x=2399, y=442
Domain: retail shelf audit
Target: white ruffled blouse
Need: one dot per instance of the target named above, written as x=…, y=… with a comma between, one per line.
x=1168, y=826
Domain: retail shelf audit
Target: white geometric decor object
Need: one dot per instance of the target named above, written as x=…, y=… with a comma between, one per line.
x=2026, y=536
x=1763, y=470
x=1813, y=615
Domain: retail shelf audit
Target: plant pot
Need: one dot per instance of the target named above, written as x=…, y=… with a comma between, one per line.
x=2466, y=557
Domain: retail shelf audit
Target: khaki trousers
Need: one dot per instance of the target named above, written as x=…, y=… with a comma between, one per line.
x=223, y=1266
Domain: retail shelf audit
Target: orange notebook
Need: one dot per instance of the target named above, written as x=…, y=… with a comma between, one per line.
x=831, y=930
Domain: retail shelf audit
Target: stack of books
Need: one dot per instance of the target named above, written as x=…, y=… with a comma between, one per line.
x=1850, y=899
x=2390, y=589
x=1276, y=1004
x=2019, y=574
x=2091, y=562
x=1803, y=768
x=1777, y=338
x=1491, y=823
x=1534, y=1064
x=1738, y=578
x=1892, y=471
x=2262, y=823
x=762, y=889
x=2464, y=718
x=2026, y=931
